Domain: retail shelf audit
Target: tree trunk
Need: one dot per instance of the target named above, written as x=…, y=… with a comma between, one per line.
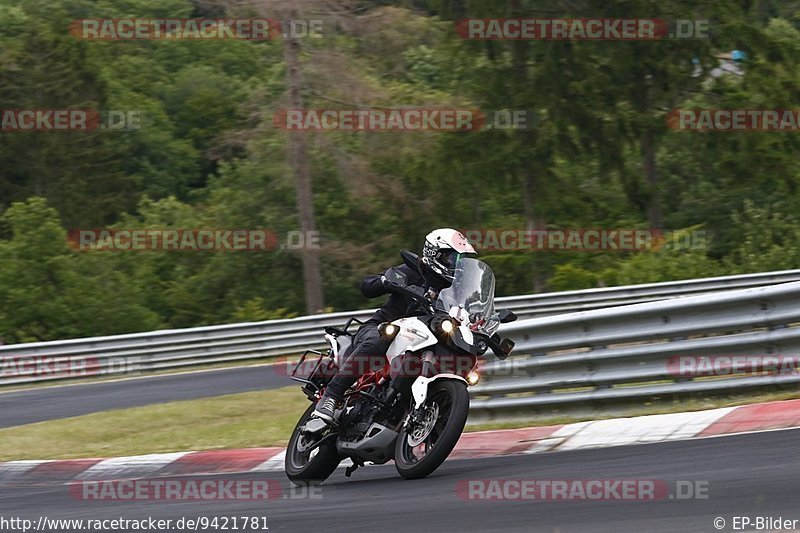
x=298, y=163
x=527, y=140
x=655, y=216
x=647, y=141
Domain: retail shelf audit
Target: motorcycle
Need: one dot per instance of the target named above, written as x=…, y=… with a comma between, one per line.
x=413, y=409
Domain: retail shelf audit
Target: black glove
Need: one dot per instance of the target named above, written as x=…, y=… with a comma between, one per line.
x=389, y=278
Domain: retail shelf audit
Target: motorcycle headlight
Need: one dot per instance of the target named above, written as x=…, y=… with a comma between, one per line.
x=447, y=326
x=388, y=330
x=473, y=377
x=444, y=326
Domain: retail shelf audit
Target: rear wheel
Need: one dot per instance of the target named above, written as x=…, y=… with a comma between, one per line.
x=306, y=466
x=424, y=445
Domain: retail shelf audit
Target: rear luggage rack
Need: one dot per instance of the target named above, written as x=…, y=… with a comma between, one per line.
x=313, y=372
x=332, y=330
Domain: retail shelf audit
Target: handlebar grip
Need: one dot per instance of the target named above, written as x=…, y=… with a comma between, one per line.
x=498, y=350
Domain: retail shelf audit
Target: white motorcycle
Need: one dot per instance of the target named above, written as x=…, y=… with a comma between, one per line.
x=412, y=410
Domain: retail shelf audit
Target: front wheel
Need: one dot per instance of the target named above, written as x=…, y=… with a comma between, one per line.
x=424, y=445
x=309, y=467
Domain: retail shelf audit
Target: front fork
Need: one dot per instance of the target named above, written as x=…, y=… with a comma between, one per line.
x=420, y=384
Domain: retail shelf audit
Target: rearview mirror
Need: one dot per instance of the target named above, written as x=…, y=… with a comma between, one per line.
x=506, y=315
x=410, y=259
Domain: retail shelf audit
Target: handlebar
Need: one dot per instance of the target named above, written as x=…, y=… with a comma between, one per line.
x=501, y=347
x=414, y=292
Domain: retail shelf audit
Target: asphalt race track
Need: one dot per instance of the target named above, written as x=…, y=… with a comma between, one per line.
x=49, y=403
x=751, y=475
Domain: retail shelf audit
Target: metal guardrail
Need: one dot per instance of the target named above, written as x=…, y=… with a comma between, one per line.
x=626, y=354
x=182, y=348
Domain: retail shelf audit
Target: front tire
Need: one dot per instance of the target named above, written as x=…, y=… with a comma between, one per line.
x=309, y=468
x=451, y=401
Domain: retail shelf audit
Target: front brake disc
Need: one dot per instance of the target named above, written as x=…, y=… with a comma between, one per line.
x=422, y=427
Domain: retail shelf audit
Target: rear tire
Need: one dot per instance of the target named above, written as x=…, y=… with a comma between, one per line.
x=452, y=399
x=312, y=468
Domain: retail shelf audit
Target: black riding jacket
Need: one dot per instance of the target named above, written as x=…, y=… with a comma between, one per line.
x=397, y=305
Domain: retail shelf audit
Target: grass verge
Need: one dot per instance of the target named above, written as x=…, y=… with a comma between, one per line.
x=251, y=419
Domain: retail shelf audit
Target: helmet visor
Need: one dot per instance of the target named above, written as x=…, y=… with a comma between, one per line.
x=449, y=258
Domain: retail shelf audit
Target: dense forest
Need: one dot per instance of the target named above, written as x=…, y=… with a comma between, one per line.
x=209, y=155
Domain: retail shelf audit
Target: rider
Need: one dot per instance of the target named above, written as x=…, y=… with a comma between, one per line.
x=442, y=249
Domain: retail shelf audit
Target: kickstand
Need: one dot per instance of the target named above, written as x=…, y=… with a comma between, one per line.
x=350, y=469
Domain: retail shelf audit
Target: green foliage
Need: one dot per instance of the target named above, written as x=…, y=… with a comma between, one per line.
x=571, y=277
x=253, y=310
x=662, y=266
x=769, y=239
x=48, y=291
x=209, y=156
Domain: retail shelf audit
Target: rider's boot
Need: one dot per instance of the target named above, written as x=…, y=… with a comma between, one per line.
x=326, y=407
x=324, y=414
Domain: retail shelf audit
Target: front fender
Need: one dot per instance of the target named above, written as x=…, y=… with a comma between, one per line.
x=419, y=389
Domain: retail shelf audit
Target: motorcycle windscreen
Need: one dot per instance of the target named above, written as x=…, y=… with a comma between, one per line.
x=472, y=289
